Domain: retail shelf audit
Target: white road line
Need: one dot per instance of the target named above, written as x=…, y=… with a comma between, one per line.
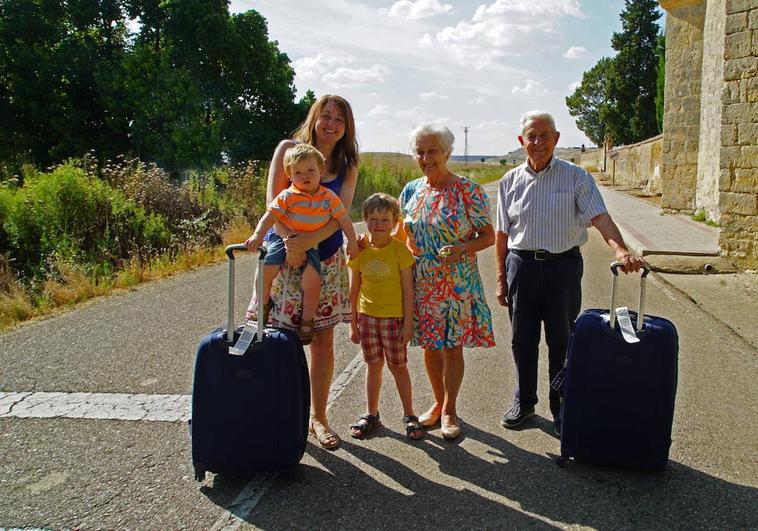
x=100, y=406
x=157, y=408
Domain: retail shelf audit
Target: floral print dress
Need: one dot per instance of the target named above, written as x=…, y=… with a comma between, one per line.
x=451, y=309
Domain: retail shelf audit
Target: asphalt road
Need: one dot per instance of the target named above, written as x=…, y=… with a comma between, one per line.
x=70, y=473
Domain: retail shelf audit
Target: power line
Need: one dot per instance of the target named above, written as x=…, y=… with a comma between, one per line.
x=465, y=144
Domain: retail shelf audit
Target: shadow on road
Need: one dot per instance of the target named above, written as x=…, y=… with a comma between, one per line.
x=503, y=486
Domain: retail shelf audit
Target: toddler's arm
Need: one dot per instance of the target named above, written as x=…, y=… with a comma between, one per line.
x=265, y=223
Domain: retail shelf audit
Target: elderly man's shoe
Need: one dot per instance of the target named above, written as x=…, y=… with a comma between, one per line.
x=516, y=415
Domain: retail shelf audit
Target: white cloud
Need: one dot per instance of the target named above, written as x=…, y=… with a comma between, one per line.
x=479, y=100
x=316, y=66
x=416, y=113
x=427, y=41
x=416, y=9
x=573, y=86
x=503, y=28
x=426, y=96
x=352, y=77
x=531, y=88
x=576, y=52
x=379, y=110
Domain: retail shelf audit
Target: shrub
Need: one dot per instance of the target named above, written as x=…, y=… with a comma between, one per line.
x=68, y=216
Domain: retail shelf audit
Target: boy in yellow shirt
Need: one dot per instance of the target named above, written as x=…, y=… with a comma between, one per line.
x=381, y=297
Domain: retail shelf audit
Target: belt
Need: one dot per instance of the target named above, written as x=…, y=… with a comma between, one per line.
x=540, y=255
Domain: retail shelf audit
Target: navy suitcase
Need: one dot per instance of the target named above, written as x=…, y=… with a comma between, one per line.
x=618, y=397
x=250, y=409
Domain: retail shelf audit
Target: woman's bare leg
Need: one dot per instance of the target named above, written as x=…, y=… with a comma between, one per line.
x=321, y=370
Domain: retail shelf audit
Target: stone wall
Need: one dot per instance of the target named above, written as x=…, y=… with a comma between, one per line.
x=638, y=165
x=738, y=179
x=592, y=160
x=708, y=167
x=681, y=119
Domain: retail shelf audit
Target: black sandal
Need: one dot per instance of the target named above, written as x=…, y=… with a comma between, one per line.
x=412, y=425
x=371, y=423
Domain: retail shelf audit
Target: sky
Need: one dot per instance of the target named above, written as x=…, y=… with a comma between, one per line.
x=479, y=65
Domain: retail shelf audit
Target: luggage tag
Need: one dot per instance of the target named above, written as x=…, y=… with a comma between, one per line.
x=625, y=323
x=246, y=337
x=557, y=382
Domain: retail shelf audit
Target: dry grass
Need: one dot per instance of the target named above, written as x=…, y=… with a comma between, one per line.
x=74, y=286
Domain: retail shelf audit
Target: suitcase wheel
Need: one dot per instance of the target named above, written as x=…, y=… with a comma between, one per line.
x=199, y=473
x=560, y=461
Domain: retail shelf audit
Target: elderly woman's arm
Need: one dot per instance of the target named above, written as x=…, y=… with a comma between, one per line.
x=485, y=238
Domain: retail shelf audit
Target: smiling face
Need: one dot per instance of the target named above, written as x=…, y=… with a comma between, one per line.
x=330, y=124
x=431, y=157
x=380, y=223
x=539, y=140
x=305, y=174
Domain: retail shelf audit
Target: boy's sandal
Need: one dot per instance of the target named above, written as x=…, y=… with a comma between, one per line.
x=413, y=430
x=365, y=425
x=305, y=332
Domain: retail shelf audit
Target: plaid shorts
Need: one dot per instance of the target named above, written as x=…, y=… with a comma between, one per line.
x=380, y=337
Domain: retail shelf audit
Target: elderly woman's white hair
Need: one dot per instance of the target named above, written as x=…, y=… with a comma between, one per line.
x=536, y=114
x=442, y=132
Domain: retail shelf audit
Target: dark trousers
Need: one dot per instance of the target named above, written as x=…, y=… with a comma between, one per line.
x=548, y=291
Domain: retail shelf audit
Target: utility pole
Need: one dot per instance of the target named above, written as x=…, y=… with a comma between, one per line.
x=465, y=144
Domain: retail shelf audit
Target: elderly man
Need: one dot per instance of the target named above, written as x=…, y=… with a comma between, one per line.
x=544, y=208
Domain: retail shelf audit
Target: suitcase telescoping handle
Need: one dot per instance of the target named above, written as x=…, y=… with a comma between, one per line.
x=258, y=289
x=641, y=306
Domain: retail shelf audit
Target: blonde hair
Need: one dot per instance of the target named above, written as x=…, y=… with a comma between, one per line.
x=299, y=153
x=380, y=201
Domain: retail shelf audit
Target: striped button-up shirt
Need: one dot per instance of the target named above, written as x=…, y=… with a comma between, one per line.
x=549, y=210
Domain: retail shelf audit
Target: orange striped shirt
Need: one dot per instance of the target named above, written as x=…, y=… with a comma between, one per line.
x=303, y=212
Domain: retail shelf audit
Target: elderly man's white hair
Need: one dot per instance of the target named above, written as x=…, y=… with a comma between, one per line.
x=536, y=114
x=442, y=132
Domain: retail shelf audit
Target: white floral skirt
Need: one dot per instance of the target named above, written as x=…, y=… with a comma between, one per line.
x=334, y=303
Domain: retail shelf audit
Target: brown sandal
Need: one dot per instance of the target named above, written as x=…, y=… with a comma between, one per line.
x=325, y=437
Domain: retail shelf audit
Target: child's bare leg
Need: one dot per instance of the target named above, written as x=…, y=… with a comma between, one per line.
x=311, y=284
x=269, y=274
x=404, y=388
x=373, y=388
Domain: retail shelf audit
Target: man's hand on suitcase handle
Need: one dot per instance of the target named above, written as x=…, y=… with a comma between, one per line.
x=630, y=263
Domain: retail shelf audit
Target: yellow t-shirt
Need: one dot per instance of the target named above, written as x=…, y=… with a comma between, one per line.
x=381, y=292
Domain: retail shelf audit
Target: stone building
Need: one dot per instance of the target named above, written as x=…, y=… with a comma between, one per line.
x=710, y=125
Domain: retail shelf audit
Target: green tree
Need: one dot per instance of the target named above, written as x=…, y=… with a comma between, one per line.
x=618, y=95
x=591, y=101
x=194, y=86
x=634, y=73
x=660, y=81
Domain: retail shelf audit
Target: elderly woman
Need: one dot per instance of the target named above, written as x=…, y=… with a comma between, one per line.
x=446, y=221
